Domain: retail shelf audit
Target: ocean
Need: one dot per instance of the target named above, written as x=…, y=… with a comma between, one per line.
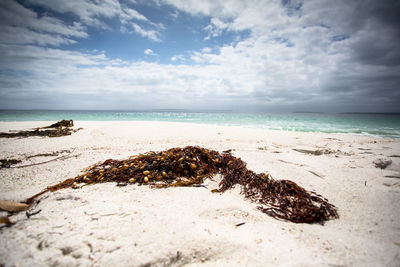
x=374, y=124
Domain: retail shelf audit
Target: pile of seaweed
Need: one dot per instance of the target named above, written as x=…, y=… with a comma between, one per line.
x=188, y=166
x=61, y=128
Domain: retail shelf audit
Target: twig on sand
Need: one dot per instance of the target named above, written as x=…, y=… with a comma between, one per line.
x=29, y=214
x=44, y=162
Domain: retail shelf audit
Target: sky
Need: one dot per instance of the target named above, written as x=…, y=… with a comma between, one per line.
x=240, y=55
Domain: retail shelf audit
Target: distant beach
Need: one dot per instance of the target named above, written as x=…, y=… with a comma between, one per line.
x=373, y=124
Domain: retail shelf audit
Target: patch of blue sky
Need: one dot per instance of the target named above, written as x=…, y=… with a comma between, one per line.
x=292, y=7
x=113, y=43
x=180, y=36
x=284, y=41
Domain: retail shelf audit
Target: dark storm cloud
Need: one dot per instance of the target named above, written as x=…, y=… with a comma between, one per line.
x=379, y=32
x=368, y=75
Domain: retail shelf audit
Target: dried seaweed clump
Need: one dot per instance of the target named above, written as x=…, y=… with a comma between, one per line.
x=62, y=123
x=61, y=128
x=282, y=199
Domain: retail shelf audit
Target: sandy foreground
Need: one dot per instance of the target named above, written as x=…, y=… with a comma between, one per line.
x=104, y=224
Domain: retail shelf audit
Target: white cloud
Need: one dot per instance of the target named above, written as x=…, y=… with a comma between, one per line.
x=220, y=8
x=181, y=58
x=174, y=14
x=92, y=13
x=149, y=52
x=89, y=12
x=60, y=71
x=206, y=50
x=150, y=34
x=290, y=50
x=128, y=14
x=234, y=80
x=215, y=28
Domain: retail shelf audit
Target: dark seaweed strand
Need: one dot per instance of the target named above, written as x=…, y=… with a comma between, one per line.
x=281, y=199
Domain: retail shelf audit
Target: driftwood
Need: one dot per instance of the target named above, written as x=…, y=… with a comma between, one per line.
x=12, y=206
x=47, y=161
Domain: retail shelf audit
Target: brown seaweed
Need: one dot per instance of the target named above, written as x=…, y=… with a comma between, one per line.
x=281, y=199
x=62, y=123
x=7, y=163
x=61, y=128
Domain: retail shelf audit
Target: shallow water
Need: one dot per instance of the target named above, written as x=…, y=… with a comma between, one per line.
x=384, y=125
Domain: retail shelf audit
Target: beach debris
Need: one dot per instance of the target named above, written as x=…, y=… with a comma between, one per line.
x=281, y=199
x=392, y=176
x=323, y=151
x=12, y=206
x=7, y=163
x=288, y=162
x=317, y=174
x=317, y=152
x=258, y=241
x=390, y=184
x=51, y=154
x=30, y=214
x=239, y=224
x=61, y=128
x=382, y=163
x=5, y=220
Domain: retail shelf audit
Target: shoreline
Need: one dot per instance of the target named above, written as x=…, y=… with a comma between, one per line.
x=19, y=125
x=380, y=124
x=366, y=233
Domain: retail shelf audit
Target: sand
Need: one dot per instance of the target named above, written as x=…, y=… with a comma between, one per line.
x=139, y=226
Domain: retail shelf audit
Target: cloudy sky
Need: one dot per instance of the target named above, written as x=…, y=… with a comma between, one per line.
x=241, y=55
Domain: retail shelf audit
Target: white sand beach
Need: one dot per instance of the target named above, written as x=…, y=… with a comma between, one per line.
x=103, y=224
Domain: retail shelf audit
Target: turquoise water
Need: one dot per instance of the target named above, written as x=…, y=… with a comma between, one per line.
x=384, y=125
